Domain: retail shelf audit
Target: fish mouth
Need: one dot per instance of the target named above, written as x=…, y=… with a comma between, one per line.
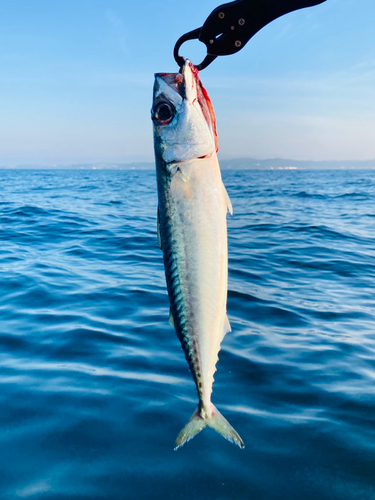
x=182, y=82
x=174, y=80
x=189, y=132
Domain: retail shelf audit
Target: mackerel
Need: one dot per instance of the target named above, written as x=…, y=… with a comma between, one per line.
x=192, y=232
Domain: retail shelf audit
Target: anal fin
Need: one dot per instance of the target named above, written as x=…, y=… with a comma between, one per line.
x=227, y=327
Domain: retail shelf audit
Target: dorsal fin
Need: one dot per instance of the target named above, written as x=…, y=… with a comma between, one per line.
x=171, y=320
x=158, y=230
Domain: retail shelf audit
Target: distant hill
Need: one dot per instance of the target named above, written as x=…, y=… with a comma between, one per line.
x=235, y=164
x=281, y=164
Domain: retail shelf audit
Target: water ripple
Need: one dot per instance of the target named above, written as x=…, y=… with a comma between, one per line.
x=95, y=387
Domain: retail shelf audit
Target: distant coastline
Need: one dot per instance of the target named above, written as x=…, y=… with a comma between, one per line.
x=234, y=164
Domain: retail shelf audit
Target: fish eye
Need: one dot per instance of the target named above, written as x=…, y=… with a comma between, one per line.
x=164, y=112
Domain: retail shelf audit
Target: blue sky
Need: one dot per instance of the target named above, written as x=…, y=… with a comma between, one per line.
x=76, y=80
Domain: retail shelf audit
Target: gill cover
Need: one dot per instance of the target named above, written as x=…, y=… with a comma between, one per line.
x=184, y=121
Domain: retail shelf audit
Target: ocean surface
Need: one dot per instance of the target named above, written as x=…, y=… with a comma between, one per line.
x=94, y=386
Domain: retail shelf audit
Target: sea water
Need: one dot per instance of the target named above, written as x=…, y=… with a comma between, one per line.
x=94, y=386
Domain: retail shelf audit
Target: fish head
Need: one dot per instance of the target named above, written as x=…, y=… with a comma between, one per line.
x=183, y=116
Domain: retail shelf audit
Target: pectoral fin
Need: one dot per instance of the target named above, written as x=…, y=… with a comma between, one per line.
x=180, y=187
x=229, y=203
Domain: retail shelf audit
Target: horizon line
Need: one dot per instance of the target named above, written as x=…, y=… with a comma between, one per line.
x=117, y=165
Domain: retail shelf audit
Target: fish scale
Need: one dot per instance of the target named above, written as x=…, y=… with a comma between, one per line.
x=172, y=256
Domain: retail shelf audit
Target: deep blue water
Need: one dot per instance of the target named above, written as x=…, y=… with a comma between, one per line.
x=94, y=385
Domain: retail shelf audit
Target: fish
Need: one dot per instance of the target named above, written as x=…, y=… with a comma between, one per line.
x=192, y=233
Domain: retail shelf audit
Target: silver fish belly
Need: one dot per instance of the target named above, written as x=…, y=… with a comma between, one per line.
x=192, y=232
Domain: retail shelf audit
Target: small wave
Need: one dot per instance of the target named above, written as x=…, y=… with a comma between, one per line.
x=93, y=376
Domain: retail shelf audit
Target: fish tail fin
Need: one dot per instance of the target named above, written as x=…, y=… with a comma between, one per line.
x=223, y=427
x=195, y=424
x=216, y=421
